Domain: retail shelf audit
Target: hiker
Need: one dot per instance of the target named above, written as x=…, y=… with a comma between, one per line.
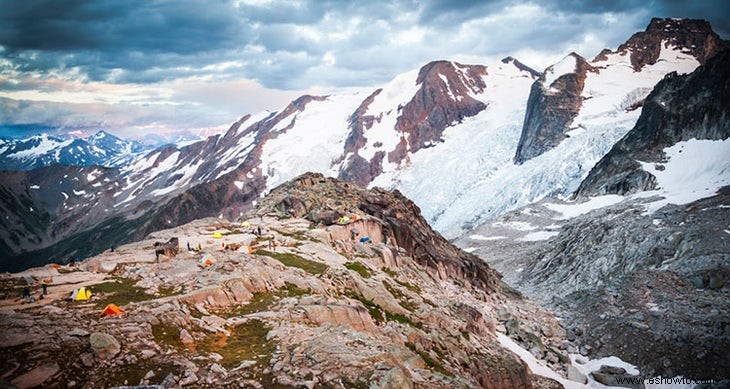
x=188, y=244
x=44, y=285
x=354, y=233
x=260, y=230
x=199, y=248
x=272, y=244
x=27, y=295
x=112, y=248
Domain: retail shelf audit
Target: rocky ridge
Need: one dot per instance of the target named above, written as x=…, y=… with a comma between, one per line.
x=553, y=106
x=680, y=108
x=316, y=309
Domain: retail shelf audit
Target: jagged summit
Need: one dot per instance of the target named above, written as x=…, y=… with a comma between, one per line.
x=691, y=36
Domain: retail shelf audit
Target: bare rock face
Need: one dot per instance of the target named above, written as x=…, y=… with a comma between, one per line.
x=551, y=109
x=680, y=108
x=442, y=100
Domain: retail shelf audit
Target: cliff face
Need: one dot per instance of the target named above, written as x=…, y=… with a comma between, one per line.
x=555, y=103
x=551, y=109
x=444, y=97
x=680, y=108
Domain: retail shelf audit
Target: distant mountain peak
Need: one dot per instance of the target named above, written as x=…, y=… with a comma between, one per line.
x=691, y=36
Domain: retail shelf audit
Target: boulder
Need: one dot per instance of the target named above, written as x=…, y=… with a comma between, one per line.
x=575, y=375
x=105, y=346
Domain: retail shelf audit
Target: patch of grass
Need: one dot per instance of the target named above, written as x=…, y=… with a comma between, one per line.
x=375, y=311
x=167, y=291
x=389, y=272
x=293, y=260
x=411, y=287
x=403, y=319
x=262, y=301
x=465, y=335
x=247, y=342
x=381, y=315
x=120, y=291
x=430, y=362
x=403, y=299
x=359, y=268
x=233, y=232
x=167, y=334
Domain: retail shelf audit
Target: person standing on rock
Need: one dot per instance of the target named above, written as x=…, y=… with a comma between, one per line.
x=272, y=244
x=27, y=295
x=44, y=285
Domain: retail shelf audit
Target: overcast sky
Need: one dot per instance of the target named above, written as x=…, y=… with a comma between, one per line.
x=136, y=67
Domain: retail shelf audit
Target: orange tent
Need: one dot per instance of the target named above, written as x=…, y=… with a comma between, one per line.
x=111, y=309
x=54, y=266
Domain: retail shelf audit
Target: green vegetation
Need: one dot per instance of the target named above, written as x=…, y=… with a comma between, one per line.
x=403, y=299
x=359, y=268
x=120, y=291
x=293, y=260
x=430, y=362
x=169, y=334
x=389, y=272
x=233, y=232
x=375, y=311
x=262, y=301
x=411, y=287
x=247, y=342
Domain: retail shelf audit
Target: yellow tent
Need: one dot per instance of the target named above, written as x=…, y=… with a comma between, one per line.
x=245, y=224
x=81, y=294
x=217, y=235
x=344, y=220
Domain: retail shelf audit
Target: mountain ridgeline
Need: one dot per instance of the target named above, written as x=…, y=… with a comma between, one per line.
x=447, y=136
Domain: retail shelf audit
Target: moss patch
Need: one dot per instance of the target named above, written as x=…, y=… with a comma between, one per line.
x=120, y=291
x=403, y=299
x=359, y=268
x=168, y=334
x=375, y=311
x=247, y=342
x=262, y=301
x=430, y=362
x=411, y=287
x=293, y=260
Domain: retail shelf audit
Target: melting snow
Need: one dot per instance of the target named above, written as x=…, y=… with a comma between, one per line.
x=35, y=187
x=515, y=225
x=695, y=169
x=537, y=236
x=482, y=237
x=571, y=210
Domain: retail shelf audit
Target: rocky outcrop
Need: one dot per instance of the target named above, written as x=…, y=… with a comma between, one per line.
x=693, y=36
x=551, y=108
x=679, y=108
x=400, y=219
x=312, y=309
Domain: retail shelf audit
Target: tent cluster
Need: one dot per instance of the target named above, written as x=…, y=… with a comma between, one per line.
x=348, y=219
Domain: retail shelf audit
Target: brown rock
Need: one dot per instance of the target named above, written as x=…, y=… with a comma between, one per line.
x=104, y=346
x=37, y=376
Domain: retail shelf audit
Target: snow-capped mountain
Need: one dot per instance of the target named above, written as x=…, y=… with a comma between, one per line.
x=445, y=135
x=38, y=151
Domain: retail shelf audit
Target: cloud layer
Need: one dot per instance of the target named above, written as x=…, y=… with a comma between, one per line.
x=165, y=60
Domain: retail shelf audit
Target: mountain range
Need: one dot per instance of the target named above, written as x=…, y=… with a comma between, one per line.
x=101, y=148
x=598, y=186
x=466, y=142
